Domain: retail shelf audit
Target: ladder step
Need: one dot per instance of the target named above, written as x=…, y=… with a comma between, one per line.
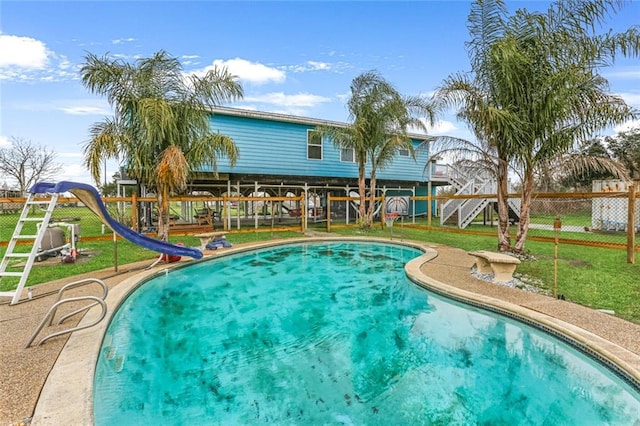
x=11, y=274
x=37, y=202
x=17, y=254
x=32, y=219
x=25, y=237
x=7, y=293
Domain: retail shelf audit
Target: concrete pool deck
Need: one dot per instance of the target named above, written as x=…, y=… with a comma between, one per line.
x=53, y=382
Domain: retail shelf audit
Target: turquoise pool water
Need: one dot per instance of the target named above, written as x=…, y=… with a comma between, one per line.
x=334, y=333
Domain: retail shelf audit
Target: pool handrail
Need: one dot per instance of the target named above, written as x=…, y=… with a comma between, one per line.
x=48, y=318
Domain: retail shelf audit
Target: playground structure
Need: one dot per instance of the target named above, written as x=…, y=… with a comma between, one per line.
x=33, y=212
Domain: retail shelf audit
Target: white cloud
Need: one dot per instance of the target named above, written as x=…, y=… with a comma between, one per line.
x=28, y=59
x=22, y=52
x=70, y=154
x=247, y=71
x=85, y=110
x=631, y=124
x=300, y=100
x=75, y=173
x=319, y=66
x=631, y=98
x=189, y=60
x=311, y=66
x=442, y=127
x=123, y=40
x=4, y=142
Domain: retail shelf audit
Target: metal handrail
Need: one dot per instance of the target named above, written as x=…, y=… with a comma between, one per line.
x=48, y=318
x=52, y=310
x=105, y=291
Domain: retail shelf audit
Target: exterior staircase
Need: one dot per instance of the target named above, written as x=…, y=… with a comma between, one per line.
x=472, y=183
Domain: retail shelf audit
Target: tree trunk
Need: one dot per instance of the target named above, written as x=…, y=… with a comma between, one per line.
x=163, y=214
x=362, y=192
x=525, y=209
x=372, y=203
x=504, y=241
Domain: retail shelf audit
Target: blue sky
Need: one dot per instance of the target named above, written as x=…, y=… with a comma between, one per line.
x=291, y=57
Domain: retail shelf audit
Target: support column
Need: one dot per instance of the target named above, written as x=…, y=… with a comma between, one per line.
x=225, y=207
x=413, y=204
x=239, y=191
x=303, y=210
x=255, y=210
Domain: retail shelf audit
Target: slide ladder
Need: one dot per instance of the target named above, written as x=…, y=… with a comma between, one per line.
x=32, y=212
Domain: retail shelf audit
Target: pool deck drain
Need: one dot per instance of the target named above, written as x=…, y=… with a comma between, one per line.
x=67, y=364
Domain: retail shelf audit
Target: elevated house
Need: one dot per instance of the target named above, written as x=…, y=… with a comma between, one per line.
x=283, y=154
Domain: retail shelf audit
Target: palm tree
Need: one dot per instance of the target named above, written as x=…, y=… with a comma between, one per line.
x=578, y=168
x=161, y=124
x=380, y=121
x=397, y=115
x=625, y=147
x=535, y=93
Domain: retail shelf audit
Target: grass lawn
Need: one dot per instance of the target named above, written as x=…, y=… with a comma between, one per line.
x=596, y=277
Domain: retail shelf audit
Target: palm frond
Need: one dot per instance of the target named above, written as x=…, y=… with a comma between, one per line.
x=172, y=169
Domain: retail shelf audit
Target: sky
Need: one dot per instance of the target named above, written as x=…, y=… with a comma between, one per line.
x=291, y=57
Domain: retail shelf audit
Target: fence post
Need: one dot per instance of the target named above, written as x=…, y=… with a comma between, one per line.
x=429, y=207
x=329, y=212
x=225, y=213
x=631, y=224
x=557, y=226
x=134, y=212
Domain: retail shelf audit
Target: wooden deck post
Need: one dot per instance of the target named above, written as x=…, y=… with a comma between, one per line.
x=329, y=212
x=631, y=224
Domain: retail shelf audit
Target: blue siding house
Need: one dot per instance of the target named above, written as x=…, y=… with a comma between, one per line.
x=278, y=151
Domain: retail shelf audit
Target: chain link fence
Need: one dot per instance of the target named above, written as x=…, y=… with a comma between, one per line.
x=599, y=218
x=188, y=215
x=593, y=219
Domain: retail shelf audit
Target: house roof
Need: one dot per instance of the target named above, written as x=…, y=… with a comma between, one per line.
x=239, y=112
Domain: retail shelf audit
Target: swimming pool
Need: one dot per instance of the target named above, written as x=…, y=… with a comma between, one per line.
x=334, y=333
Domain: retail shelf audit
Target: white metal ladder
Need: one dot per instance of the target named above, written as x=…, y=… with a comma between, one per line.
x=41, y=220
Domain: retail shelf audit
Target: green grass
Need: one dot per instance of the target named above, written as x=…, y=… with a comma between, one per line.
x=569, y=219
x=102, y=257
x=596, y=277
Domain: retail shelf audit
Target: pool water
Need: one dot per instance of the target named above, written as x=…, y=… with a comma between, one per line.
x=335, y=333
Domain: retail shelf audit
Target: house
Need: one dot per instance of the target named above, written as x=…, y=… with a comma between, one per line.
x=283, y=154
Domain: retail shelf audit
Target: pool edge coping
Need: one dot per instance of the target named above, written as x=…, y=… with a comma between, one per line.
x=67, y=395
x=623, y=362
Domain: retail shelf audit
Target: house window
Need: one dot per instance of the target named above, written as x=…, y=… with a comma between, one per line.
x=314, y=145
x=403, y=152
x=347, y=155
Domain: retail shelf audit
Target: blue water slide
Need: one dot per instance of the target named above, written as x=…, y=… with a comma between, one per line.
x=90, y=197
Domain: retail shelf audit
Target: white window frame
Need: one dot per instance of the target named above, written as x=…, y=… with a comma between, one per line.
x=345, y=150
x=309, y=145
x=403, y=152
